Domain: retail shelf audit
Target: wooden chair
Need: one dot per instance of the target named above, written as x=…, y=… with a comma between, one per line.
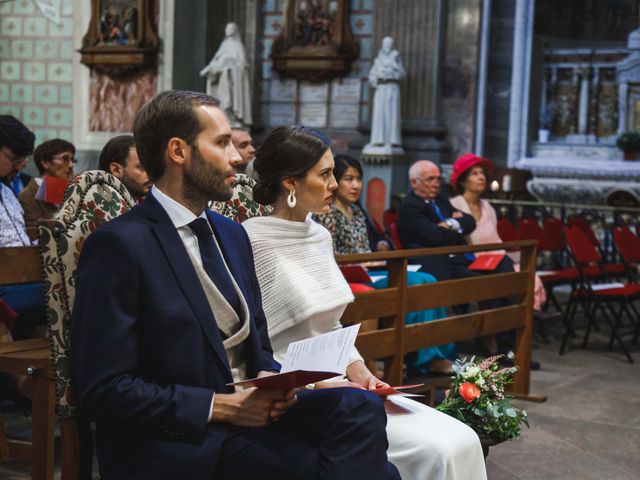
x=20, y=265
x=92, y=199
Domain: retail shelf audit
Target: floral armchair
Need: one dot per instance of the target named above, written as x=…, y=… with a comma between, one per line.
x=92, y=199
x=241, y=206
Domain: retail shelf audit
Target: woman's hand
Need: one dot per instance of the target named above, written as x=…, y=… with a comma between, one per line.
x=358, y=373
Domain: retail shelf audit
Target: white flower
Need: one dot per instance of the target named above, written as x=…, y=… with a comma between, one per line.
x=470, y=372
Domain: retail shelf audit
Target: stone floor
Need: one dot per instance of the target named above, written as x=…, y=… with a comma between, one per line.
x=588, y=429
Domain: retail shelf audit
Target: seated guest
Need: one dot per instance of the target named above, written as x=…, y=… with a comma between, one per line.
x=168, y=314
x=347, y=224
x=469, y=178
x=242, y=206
x=120, y=158
x=17, y=179
x=16, y=143
x=243, y=143
x=304, y=294
x=427, y=219
x=54, y=158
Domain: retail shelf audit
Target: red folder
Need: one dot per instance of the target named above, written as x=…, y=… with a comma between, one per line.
x=355, y=274
x=54, y=188
x=486, y=262
x=385, y=392
x=287, y=381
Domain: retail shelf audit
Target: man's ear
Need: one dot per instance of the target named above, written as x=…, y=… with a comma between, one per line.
x=177, y=150
x=116, y=170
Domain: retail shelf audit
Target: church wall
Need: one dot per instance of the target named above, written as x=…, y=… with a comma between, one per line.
x=337, y=105
x=36, y=58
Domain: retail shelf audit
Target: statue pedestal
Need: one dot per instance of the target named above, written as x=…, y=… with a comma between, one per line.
x=392, y=170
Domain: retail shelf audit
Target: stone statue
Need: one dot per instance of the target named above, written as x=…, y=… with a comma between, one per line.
x=384, y=76
x=228, y=78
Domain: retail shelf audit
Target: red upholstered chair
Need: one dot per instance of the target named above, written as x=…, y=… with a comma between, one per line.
x=507, y=231
x=389, y=217
x=395, y=236
x=628, y=246
x=614, y=269
x=594, y=297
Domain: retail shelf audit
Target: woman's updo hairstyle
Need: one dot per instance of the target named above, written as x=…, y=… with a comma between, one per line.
x=343, y=162
x=287, y=152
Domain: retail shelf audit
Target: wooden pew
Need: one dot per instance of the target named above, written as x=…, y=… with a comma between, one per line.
x=32, y=357
x=394, y=339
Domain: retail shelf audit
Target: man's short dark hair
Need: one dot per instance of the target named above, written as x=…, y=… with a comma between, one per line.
x=16, y=136
x=47, y=150
x=169, y=114
x=116, y=150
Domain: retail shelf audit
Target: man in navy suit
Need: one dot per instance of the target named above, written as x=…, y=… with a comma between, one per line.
x=168, y=313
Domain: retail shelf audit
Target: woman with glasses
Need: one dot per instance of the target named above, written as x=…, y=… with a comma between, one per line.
x=54, y=158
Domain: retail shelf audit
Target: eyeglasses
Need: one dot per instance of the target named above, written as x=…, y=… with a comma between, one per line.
x=66, y=158
x=429, y=179
x=12, y=158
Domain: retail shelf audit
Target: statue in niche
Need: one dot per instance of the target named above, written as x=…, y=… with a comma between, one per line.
x=228, y=78
x=384, y=77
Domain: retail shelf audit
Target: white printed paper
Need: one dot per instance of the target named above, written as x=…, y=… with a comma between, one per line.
x=329, y=352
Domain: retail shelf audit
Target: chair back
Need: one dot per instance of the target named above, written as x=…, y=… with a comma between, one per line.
x=552, y=235
x=628, y=244
x=530, y=229
x=389, y=217
x=241, y=206
x=395, y=236
x=507, y=231
x=583, y=251
x=91, y=199
x=583, y=224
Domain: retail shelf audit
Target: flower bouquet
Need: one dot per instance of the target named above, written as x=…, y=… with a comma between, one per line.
x=477, y=398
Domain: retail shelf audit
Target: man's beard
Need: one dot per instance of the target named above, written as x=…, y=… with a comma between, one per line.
x=203, y=182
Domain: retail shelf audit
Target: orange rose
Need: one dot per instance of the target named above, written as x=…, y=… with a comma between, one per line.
x=469, y=391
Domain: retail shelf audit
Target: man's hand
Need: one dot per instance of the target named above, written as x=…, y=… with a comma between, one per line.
x=456, y=214
x=339, y=384
x=252, y=407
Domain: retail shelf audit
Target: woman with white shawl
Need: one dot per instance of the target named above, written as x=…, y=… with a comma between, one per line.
x=304, y=294
x=228, y=78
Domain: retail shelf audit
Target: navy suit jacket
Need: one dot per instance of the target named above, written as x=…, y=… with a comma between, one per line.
x=418, y=228
x=147, y=354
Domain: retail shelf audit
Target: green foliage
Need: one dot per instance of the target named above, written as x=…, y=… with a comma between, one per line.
x=490, y=413
x=629, y=141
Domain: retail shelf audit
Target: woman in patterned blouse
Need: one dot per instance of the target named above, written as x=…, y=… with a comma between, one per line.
x=351, y=231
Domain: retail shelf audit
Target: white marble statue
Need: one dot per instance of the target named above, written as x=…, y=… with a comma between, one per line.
x=228, y=78
x=384, y=76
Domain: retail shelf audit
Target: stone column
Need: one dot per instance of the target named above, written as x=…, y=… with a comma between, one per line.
x=482, y=77
x=418, y=28
x=583, y=105
x=623, y=91
x=520, y=81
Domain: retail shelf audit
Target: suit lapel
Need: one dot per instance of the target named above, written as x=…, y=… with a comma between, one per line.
x=179, y=261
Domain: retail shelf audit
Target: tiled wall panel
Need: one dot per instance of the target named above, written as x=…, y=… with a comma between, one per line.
x=35, y=68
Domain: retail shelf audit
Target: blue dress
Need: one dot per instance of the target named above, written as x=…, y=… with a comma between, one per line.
x=349, y=237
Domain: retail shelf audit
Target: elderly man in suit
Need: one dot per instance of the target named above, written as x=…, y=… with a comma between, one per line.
x=168, y=314
x=427, y=219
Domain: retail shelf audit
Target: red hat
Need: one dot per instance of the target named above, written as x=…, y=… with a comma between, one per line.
x=465, y=162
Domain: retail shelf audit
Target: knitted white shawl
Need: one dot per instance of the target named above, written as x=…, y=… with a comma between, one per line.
x=296, y=270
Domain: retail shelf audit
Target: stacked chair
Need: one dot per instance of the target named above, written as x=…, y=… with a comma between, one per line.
x=594, y=296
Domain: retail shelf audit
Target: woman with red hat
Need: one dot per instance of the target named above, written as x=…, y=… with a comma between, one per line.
x=469, y=179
